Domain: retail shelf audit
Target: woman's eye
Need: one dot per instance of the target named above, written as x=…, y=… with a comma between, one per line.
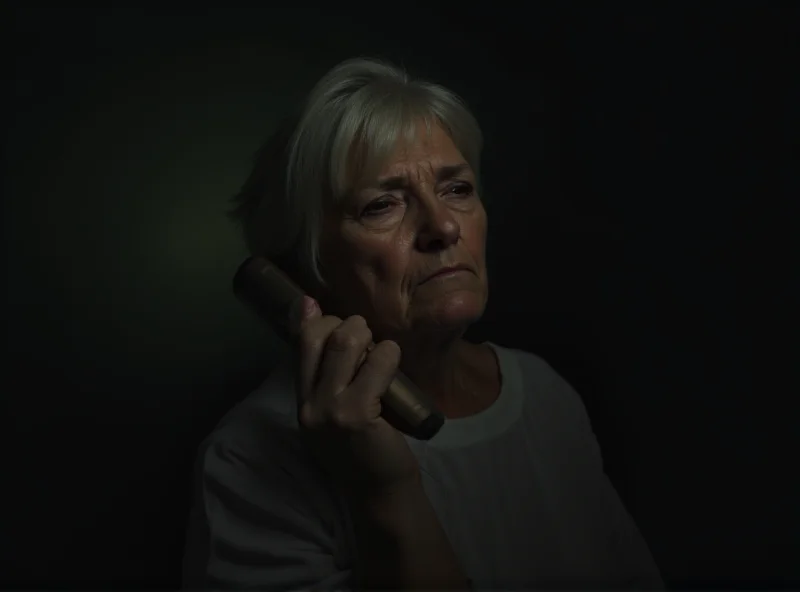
x=461, y=189
x=376, y=207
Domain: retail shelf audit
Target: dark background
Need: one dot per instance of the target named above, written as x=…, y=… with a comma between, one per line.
x=641, y=165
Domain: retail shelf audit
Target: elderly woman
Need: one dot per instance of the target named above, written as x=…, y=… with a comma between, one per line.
x=376, y=212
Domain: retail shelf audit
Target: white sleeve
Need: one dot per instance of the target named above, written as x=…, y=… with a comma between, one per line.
x=634, y=565
x=269, y=524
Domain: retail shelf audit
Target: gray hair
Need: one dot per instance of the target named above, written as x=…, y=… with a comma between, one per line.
x=350, y=124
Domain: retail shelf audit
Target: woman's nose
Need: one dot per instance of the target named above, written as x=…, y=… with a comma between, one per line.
x=438, y=228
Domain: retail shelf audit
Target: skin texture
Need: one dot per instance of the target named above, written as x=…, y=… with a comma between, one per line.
x=381, y=244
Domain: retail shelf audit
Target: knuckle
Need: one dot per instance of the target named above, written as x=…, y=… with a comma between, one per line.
x=353, y=333
x=342, y=339
x=313, y=335
x=340, y=416
x=357, y=321
x=358, y=325
x=386, y=353
x=365, y=335
x=361, y=329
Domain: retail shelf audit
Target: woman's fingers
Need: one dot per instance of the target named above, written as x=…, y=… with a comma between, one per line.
x=313, y=335
x=377, y=371
x=331, y=353
x=343, y=353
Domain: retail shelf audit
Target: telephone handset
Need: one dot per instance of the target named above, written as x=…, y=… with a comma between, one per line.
x=278, y=300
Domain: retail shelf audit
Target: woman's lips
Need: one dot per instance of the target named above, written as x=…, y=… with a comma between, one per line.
x=445, y=273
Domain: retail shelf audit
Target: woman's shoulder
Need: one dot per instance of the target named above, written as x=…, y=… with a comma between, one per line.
x=554, y=409
x=540, y=381
x=260, y=430
x=534, y=368
x=257, y=487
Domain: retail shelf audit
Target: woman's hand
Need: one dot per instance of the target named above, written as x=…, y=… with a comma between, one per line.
x=341, y=380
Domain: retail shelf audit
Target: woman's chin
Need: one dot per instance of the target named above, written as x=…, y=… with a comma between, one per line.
x=455, y=312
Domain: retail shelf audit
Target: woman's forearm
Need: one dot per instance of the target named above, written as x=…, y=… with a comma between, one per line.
x=402, y=545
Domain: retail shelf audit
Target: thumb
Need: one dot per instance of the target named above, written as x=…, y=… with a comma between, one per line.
x=303, y=310
x=310, y=311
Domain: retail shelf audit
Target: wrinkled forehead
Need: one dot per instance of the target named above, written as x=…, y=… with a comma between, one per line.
x=425, y=154
x=412, y=148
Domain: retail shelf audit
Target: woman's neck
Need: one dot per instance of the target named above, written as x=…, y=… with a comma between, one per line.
x=459, y=376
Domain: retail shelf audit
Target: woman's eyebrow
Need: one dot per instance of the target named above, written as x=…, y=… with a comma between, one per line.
x=443, y=173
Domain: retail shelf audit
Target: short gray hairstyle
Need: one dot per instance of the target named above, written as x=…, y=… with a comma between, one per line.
x=350, y=124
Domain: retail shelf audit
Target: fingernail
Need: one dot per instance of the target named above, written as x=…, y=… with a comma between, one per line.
x=309, y=306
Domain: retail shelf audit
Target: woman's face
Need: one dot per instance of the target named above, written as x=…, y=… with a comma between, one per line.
x=381, y=247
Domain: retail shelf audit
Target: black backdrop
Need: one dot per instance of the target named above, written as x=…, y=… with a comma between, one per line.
x=637, y=161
